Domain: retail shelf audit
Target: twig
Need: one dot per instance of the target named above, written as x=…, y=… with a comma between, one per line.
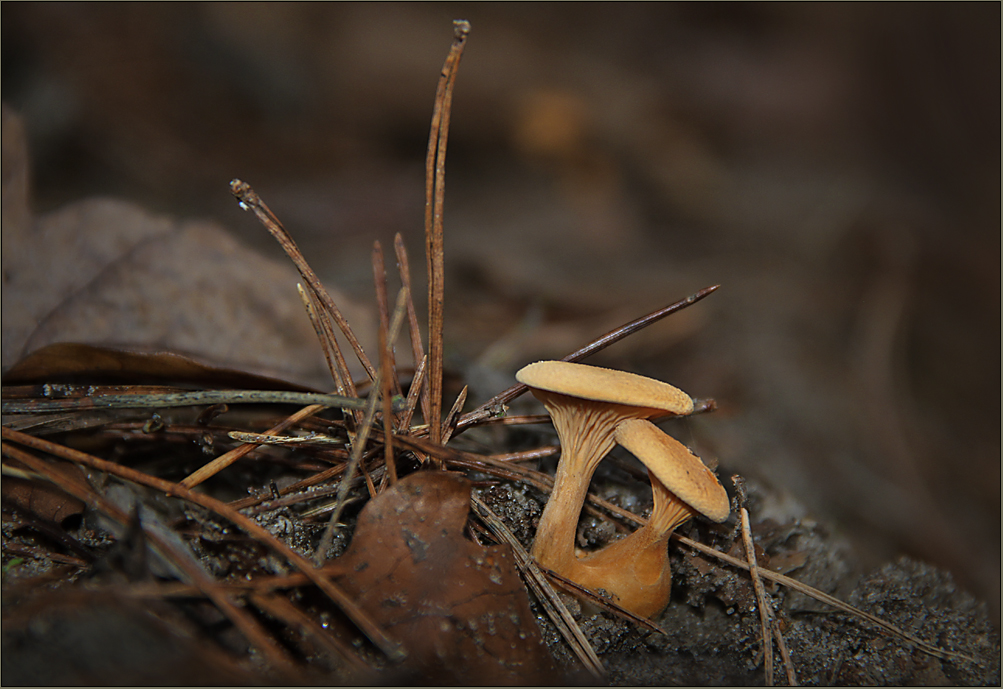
x=183, y=399
x=526, y=455
x=792, y=678
x=302, y=484
x=494, y=405
x=757, y=584
x=389, y=458
x=223, y=461
x=823, y=597
x=522, y=420
x=412, y=319
x=312, y=440
x=449, y=425
x=383, y=310
x=249, y=200
x=435, y=193
x=413, y=394
x=388, y=367
x=332, y=352
x=369, y=480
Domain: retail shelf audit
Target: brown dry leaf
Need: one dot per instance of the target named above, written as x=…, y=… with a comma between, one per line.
x=66, y=361
x=42, y=499
x=108, y=272
x=460, y=609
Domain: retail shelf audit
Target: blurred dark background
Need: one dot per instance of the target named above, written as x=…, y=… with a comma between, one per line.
x=835, y=167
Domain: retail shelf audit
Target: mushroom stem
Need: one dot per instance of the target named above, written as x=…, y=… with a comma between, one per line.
x=636, y=569
x=554, y=545
x=586, y=437
x=668, y=511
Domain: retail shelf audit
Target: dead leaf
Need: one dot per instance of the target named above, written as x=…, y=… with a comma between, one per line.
x=104, y=271
x=460, y=609
x=67, y=362
x=42, y=499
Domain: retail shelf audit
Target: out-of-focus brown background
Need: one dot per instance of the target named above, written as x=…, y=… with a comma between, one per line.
x=835, y=168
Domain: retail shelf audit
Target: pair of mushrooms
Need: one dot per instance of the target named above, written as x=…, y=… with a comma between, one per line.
x=594, y=409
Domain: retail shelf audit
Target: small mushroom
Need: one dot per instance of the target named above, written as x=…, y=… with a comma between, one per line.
x=636, y=568
x=587, y=404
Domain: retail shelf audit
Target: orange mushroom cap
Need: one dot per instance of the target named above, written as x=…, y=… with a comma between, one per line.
x=605, y=385
x=678, y=469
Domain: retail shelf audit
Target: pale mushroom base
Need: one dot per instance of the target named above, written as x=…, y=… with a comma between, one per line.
x=634, y=571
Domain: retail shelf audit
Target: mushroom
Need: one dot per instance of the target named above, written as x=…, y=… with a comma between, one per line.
x=587, y=404
x=636, y=568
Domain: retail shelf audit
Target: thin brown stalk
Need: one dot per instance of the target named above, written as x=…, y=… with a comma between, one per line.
x=358, y=616
x=413, y=394
x=189, y=398
x=449, y=425
x=358, y=446
x=369, y=481
x=527, y=455
x=292, y=499
x=380, y=286
x=209, y=470
x=260, y=584
x=495, y=406
x=757, y=586
x=302, y=484
x=314, y=513
x=388, y=369
x=287, y=440
x=383, y=309
x=249, y=200
x=40, y=554
x=479, y=462
x=792, y=677
x=332, y=352
x=417, y=350
x=388, y=419
x=523, y=420
x=623, y=331
x=435, y=194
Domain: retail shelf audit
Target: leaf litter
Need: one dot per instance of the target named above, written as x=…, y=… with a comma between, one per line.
x=416, y=595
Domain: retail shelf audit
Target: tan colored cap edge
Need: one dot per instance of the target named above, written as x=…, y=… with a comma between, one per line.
x=604, y=385
x=680, y=470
